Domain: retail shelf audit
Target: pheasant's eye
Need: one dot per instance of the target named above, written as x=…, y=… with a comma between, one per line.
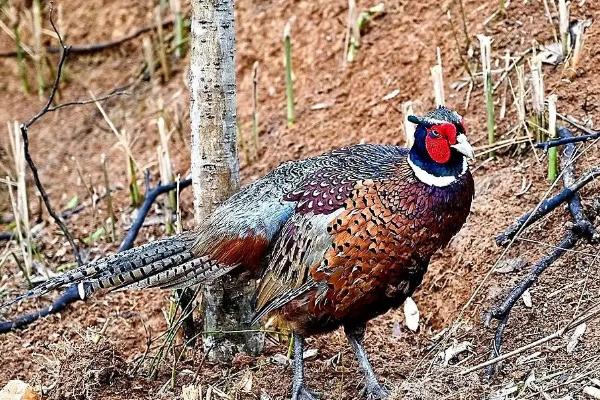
x=434, y=134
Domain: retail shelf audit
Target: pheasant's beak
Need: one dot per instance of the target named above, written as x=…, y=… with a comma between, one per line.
x=463, y=146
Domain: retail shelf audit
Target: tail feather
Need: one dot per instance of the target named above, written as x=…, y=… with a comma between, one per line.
x=118, y=269
x=209, y=272
x=168, y=265
x=161, y=276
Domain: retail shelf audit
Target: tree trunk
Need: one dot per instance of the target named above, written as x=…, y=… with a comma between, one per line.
x=215, y=166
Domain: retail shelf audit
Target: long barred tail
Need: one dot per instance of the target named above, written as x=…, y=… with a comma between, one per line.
x=162, y=263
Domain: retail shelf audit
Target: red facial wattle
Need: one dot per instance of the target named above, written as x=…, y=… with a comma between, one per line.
x=438, y=149
x=438, y=141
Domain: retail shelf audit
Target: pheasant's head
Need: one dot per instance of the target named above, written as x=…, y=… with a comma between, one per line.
x=440, y=150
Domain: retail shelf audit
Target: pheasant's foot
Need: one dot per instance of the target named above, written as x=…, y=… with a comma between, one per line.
x=302, y=393
x=375, y=391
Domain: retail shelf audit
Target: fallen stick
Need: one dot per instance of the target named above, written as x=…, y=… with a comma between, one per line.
x=546, y=207
x=95, y=47
x=580, y=228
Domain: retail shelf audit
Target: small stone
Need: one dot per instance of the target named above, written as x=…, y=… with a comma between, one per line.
x=527, y=299
x=411, y=314
x=592, y=392
x=280, y=359
x=18, y=390
x=310, y=353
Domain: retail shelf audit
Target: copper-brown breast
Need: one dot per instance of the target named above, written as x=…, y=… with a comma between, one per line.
x=381, y=245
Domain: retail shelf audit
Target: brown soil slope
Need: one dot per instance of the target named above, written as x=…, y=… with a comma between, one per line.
x=336, y=105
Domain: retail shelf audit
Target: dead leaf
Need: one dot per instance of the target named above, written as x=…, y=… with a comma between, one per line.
x=396, y=330
x=411, y=314
x=527, y=299
x=510, y=265
x=245, y=384
x=391, y=94
x=191, y=392
x=454, y=350
x=281, y=359
x=551, y=54
x=576, y=337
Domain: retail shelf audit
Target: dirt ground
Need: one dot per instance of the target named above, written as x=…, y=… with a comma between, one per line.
x=337, y=104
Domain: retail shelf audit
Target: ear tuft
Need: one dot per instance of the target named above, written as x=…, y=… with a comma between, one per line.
x=414, y=119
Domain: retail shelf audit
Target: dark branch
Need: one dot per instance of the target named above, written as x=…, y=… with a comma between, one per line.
x=590, y=134
x=575, y=207
x=580, y=228
x=546, y=207
x=149, y=198
x=95, y=47
x=560, y=142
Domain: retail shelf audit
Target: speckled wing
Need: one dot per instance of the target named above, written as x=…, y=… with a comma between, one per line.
x=307, y=236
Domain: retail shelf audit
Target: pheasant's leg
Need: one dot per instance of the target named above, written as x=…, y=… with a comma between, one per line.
x=373, y=389
x=299, y=390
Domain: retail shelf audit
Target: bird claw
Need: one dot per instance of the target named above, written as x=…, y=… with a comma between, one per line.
x=302, y=393
x=375, y=392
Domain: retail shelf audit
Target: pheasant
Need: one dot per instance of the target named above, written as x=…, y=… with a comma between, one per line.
x=338, y=239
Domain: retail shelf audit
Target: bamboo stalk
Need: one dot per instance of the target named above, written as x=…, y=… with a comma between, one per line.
x=289, y=83
x=38, y=47
x=178, y=223
x=350, y=27
x=243, y=142
x=109, y=200
x=553, y=151
x=537, y=99
x=549, y=16
x=179, y=32
x=463, y=19
x=488, y=87
x=148, y=52
x=255, y=108
x=356, y=24
x=166, y=174
x=20, y=203
x=21, y=59
x=507, y=63
x=502, y=7
x=437, y=77
x=520, y=95
x=464, y=60
x=563, y=27
x=134, y=190
x=162, y=47
x=579, y=33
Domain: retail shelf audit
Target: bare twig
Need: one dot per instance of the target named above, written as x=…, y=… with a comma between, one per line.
x=24, y=133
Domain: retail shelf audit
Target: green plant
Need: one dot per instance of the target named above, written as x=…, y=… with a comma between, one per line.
x=289, y=80
x=553, y=151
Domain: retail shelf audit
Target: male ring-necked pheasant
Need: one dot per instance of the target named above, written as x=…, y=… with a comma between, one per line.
x=339, y=238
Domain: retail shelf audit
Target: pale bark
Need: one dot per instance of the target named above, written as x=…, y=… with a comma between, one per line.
x=215, y=166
